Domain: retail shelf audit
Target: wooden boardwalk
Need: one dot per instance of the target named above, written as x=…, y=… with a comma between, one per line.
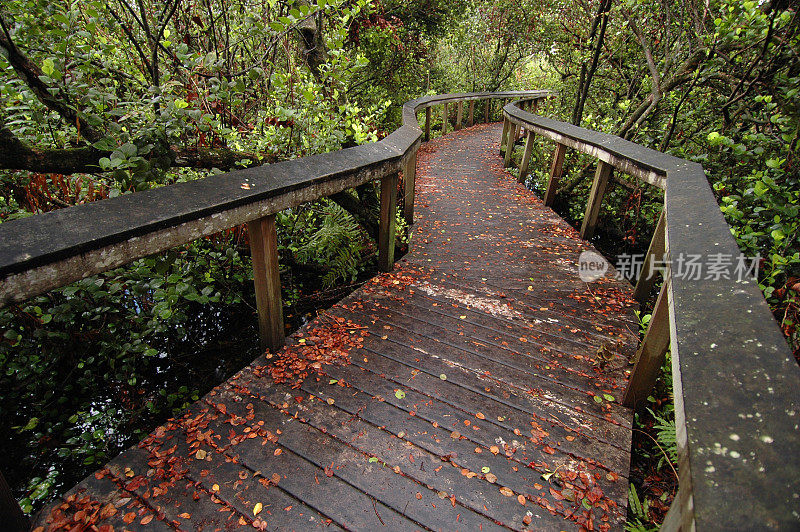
x=466, y=390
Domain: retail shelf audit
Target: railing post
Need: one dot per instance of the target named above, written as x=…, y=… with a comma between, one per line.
x=409, y=178
x=601, y=177
x=650, y=355
x=526, y=158
x=504, y=135
x=512, y=139
x=10, y=511
x=459, y=115
x=444, y=119
x=386, y=223
x=556, y=168
x=486, y=109
x=427, y=124
x=267, y=281
x=471, y=113
x=655, y=252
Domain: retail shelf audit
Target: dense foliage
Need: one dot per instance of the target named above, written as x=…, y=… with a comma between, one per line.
x=101, y=98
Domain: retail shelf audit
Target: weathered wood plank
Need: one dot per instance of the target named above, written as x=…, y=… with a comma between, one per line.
x=655, y=253
x=651, y=354
x=409, y=179
x=267, y=281
x=556, y=169
x=526, y=158
x=459, y=115
x=427, y=124
x=471, y=113
x=601, y=177
x=386, y=227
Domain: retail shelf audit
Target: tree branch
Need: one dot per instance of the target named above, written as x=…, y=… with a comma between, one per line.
x=31, y=74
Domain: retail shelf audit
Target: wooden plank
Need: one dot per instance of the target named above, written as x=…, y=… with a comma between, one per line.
x=409, y=179
x=526, y=158
x=267, y=281
x=504, y=135
x=655, y=253
x=486, y=110
x=512, y=138
x=386, y=227
x=427, y=124
x=445, y=117
x=651, y=354
x=556, y=169
x=459, y=114
x=365, y=456
x=471, y=113
x=601, y=177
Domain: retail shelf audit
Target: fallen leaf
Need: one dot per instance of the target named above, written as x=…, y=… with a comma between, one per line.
x=521, y=499
x=129, y=517
x=146, y=519
x=257, y=508
x=201, y=454
x=491, y=478
x=277, y=452
x=185, y=515
x=494, y=449
x=479, y=415
x=215, y=487
x=526, y=520
x=508, y=492
x=399, y=394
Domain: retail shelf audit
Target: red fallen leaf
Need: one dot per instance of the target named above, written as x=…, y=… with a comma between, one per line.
x=146, y=519
x=129, y=517
x=329, y=470
x=185, y=515
x=549, y=450
x=556, y=494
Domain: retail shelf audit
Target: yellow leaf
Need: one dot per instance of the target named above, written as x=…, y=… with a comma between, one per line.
x=201, y=454
x=215, y=487
x=506, y=491
x=257, y=508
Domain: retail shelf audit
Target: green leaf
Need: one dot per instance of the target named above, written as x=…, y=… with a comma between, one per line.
x=608, y=397
x=333, y=381
x=48, y=67
x=399, y=394
x=485, y=469
x=32, y=422
x=598, y=399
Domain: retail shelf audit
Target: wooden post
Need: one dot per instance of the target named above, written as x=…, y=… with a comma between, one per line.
x=267, y=280
x=654, y=253
x=444, y=119
x=427, y=124
x=471, y=121
x=601, y=177
x=526, y=158
x=387, y=220
x=534, y=108
x=650, y=356
x=504, y=135
x=486, y=109
x=555, y=173
x=409, y=178
x=512, y=138
x=10, y=512
x=459, y=114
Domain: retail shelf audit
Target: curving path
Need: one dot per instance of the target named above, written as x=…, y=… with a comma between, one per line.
x=466, y=390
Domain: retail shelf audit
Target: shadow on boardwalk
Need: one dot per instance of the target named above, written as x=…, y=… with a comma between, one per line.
x=463, y=391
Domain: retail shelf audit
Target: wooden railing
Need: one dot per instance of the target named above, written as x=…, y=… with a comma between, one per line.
x=736, y=383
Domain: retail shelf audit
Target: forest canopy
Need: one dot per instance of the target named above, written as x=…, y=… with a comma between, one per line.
x=102, y=98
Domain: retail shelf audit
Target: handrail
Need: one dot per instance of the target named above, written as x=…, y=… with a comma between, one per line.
x=736, y=383
x=49, y=250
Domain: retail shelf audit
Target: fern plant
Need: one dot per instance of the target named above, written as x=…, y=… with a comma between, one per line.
x=337, y=245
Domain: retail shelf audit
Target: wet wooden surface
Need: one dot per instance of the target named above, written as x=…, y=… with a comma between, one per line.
x=466, y=390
